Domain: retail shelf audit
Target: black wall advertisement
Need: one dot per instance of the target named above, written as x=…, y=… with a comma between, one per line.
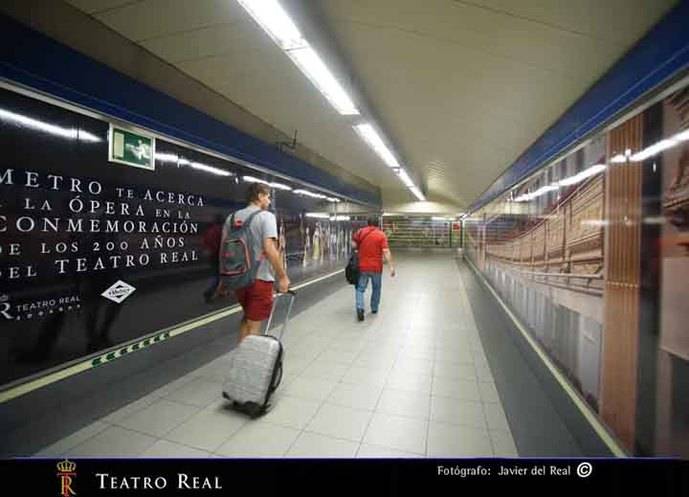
x=96, y=252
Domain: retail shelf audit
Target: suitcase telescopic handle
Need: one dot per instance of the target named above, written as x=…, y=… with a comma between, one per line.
x=291, y=294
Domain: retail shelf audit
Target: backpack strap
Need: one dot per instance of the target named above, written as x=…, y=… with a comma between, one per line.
x=251, y=217
x=246, y=222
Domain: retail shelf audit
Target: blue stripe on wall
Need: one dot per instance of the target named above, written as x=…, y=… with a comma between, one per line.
x=39, y=62
x=660, y=55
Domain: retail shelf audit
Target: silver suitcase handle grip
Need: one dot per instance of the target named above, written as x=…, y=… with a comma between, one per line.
x=292, y=294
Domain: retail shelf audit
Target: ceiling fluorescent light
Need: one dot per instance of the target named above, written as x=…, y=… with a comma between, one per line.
x=374, y=140
x=275, y=21
x=313, y=67
x=280, y=186
x=318, y=215
x=417, y=193
x=270, y=15
x=210, y=169
x=405, y=178
x=172, y=158
x=309, y=194
x=181, y=161
x=251, y=179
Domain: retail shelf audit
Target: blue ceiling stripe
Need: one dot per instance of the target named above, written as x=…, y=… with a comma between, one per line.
x=34, y=60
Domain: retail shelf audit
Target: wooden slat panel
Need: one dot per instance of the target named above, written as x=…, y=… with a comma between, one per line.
x=622, y=266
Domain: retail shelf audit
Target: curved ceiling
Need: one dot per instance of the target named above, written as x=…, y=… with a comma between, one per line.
x=460, y=88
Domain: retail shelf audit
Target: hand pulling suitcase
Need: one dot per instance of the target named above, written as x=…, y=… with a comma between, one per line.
x=256, y=367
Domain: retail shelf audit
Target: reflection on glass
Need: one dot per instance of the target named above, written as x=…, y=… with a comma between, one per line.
x=70, y=133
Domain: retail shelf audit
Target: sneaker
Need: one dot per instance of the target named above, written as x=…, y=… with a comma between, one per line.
x=360, y=314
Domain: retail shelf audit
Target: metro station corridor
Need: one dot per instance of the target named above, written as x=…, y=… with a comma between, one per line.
x=526, y=162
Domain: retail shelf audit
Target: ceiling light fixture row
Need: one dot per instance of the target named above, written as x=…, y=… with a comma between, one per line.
x=299, y=191
x=276, y=22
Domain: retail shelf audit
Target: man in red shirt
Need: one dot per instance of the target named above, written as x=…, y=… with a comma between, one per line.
x=372, y=245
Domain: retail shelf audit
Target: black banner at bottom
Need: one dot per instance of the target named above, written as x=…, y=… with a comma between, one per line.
x=220, y=477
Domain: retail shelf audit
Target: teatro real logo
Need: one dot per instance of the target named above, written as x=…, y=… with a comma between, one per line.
x=66, y=472
x=118, y=292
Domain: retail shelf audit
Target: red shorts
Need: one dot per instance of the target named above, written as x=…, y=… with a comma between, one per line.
x=256, y=300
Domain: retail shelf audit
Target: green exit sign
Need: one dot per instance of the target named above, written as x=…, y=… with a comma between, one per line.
x=132, y=148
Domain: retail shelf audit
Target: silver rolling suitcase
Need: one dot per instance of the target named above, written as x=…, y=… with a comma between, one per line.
x=256, y=367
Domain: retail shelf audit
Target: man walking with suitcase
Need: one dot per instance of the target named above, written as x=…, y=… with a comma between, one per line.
x=372, y=245
x=257, y=299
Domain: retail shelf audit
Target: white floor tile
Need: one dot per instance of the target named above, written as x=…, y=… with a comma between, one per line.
x=366, y=376
x=412, y=352
x=199, y=392
x=488, y=391
x=369, y=361
x=207, y=429
x=484, y=373
x=325, y=370
x=314, y=445
x=339, y=356
x=411, y=404
x=310, y=388
x=406, y=434
x=446, y=440
x=503, y=444
x=410, y=382
x=164, y=448
x=292, y=412
x=158, y=418
x=406, y=365
x=367, y=451
x=454, y=371
x=458, y=389
x=129, y=409
x=340, y=422
x=113, y=442
x=449, y=359
x=459, y=412
x=495, y=416
x=259, y=440
x=356, y=396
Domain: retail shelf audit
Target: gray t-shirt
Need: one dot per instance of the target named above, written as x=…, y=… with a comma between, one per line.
x=263, y=226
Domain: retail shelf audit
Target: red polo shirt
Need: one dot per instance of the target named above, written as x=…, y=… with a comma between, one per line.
x=371, y=248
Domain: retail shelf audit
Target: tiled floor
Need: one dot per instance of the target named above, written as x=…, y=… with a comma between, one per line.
x=412, y=381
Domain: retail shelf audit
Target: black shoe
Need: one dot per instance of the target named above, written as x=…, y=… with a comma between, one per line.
x=374, y=312
x=360, y=314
